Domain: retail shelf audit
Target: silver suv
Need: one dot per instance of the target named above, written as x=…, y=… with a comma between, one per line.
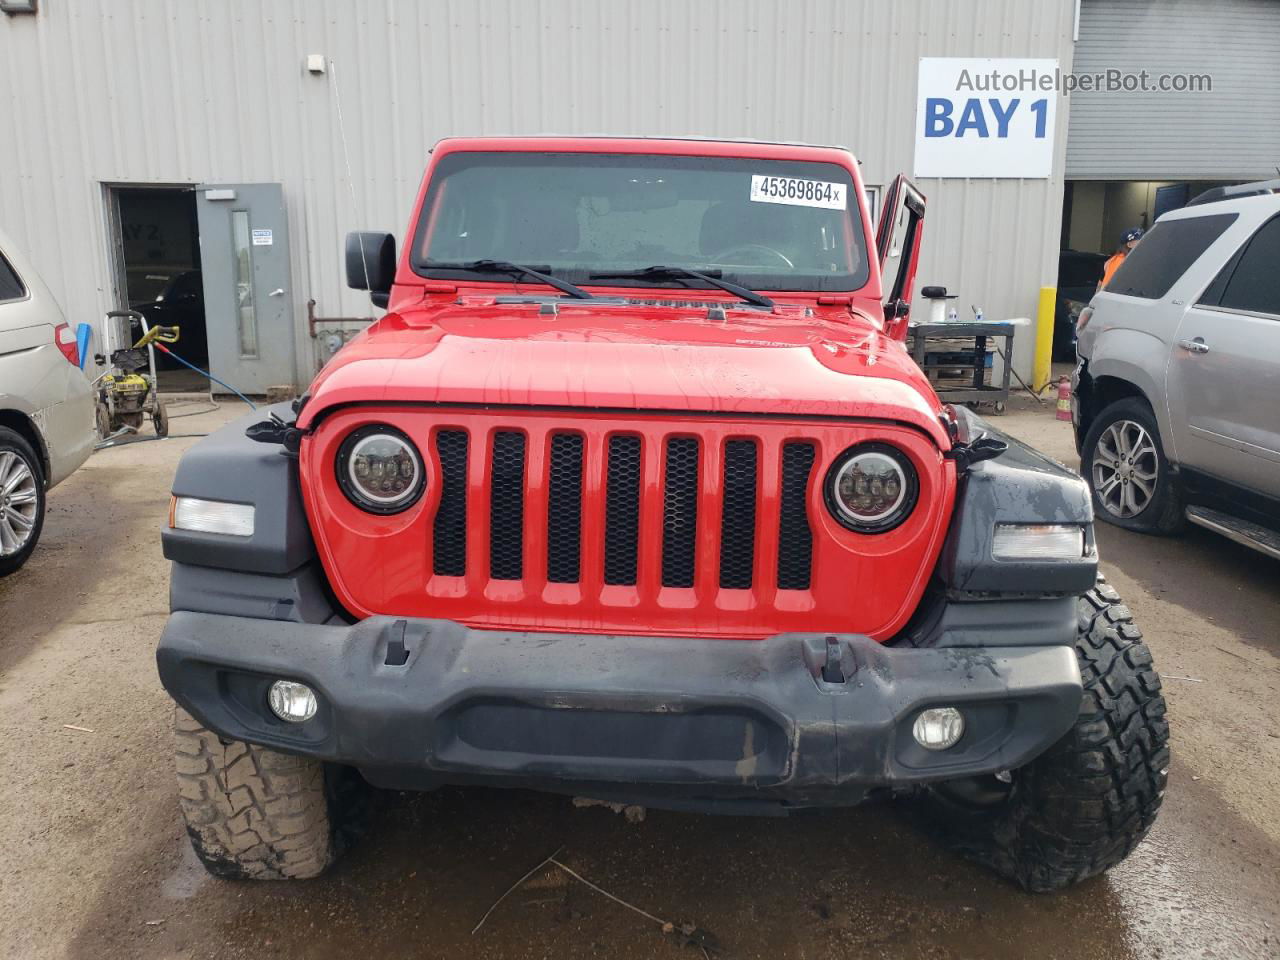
x=1176, y=400
x=46, y=405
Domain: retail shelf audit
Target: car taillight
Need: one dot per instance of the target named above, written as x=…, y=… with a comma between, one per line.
x=1082, y=320
x=65, y=338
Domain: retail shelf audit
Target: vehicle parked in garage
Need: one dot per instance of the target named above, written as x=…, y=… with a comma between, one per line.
x=46, y=405
x=635, y=493
x=180, y=304
x=1078, y=274
x=1178, y=381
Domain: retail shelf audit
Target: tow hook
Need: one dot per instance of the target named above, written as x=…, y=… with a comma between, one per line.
x=833, y=668
x=982, y=447
x=397, y=652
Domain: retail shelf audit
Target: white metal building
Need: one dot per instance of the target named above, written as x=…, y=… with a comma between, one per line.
x=103, y=98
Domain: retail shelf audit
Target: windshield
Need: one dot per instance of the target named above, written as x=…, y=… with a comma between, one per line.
x=763, y=224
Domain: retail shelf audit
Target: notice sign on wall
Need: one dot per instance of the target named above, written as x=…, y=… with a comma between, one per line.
x=985, y=117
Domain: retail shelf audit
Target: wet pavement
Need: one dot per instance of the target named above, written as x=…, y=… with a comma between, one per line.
x=94, y=862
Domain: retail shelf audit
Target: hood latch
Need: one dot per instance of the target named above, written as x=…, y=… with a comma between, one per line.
x=982, y=447
x=276, y=430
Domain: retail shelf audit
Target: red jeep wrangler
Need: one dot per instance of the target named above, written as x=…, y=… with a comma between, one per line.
x=634, y=493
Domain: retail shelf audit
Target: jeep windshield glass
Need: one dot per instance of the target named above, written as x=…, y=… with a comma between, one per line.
x=760, y=224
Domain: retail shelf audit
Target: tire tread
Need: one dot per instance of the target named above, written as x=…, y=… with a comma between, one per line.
x=1087, y=802
x=252, y=813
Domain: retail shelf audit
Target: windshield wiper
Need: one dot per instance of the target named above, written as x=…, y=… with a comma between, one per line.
x=673, y=273
x=503, y=266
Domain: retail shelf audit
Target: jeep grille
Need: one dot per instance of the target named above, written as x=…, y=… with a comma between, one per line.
x=683, y=462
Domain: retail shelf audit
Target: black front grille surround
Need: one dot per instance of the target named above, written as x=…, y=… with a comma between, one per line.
x=795, y=536
x=680, y=512
x=738, y=515
x=564, y=509
x=622, y=510
x=506, y=506
x=449, y=540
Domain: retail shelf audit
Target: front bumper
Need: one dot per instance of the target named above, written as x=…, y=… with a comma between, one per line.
x=658, y=720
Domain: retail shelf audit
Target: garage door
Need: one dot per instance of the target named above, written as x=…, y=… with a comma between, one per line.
x=1230, y=133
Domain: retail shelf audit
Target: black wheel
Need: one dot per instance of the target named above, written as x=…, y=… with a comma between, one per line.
x=160, y=419
x=1124, y=464
x=21, y=500
x=256, y=814
x=1082, y=806
x=103, y=420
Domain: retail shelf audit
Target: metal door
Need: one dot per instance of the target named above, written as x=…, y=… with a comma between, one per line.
x=897, y=240
x=1224, y=372
x=248, y=299
x=898, y=247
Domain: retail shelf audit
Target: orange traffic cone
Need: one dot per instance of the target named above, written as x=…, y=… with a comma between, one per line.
x=1064, y=399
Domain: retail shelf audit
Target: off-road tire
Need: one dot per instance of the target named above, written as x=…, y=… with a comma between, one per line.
x=1086, y=803
x=13, y=442
x=257, y=814
x=1165, y=513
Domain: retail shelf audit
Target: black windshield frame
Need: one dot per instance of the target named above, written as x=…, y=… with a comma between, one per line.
x=798, y=282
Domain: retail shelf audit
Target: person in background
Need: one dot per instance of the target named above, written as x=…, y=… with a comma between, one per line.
x=1127, y=243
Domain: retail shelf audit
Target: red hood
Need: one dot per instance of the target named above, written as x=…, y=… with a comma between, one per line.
x=630, y=358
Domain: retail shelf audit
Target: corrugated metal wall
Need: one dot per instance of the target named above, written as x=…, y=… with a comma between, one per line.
x=1231, y=133
x=216, y=90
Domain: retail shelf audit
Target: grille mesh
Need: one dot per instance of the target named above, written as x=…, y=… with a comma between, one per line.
x=738, y=519
x=450, y=535
x=622, y=511
x=680, y=512
x=506, y=507
x=564, y=509
x=795, y=538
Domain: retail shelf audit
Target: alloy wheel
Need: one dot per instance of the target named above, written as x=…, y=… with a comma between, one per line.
x=18, y=503
x=1126, y=468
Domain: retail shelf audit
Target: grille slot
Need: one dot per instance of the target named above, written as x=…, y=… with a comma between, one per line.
x=738, y=515
x=564, y=509
x=795, y=537
x=506, y=507
x=680, y=512
x=449, y=558
x=622, y=510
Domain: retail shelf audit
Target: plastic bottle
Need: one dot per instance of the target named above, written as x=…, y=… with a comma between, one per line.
x=952, y=316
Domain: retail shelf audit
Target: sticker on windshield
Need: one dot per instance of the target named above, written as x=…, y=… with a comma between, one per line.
x=797, y=192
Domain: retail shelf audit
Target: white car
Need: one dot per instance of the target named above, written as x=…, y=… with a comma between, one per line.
x=46, y=405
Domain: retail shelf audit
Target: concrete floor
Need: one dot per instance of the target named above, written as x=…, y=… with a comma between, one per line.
x=95, y=864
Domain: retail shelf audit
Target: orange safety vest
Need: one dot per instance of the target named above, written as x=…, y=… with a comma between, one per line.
x=1111, y=266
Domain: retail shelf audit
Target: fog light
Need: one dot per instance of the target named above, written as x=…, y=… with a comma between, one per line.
x=292, y=701
x=938, y=728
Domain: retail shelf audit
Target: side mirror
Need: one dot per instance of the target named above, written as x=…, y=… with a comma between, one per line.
x=371, y=264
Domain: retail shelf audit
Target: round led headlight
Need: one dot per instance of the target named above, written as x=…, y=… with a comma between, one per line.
x=379, y=469
x=871, y=488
